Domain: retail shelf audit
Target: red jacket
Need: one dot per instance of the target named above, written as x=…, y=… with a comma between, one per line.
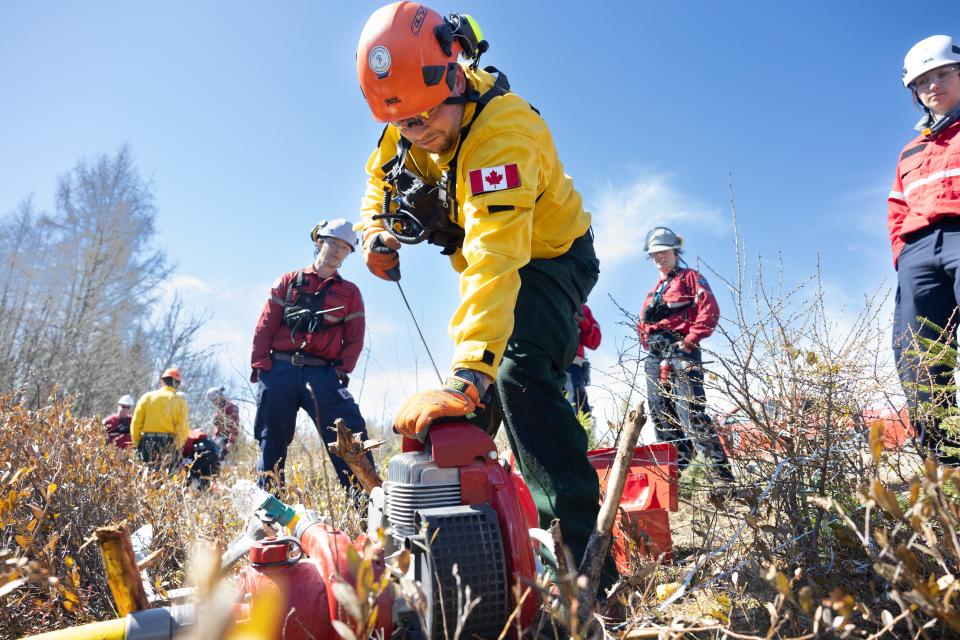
x=118, y=430
x=589, y=332
x=226, y=422
x=342, y=339
x=694, y=322
x=926, y=187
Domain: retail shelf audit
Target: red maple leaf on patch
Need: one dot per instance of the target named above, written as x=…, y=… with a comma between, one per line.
x=494, y=178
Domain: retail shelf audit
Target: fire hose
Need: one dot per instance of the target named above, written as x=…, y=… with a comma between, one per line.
x=148, y=624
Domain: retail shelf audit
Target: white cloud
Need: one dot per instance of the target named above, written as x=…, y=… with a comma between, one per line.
x=185, y=284
x=624, y=213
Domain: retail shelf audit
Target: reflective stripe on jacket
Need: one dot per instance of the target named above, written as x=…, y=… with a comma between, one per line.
x=926, y=187
x=699, y=315
x=342, y=336
x=505, y=225
x=161, y=411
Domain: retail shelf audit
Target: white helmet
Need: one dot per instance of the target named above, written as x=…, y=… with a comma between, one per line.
x=126, y=400
x=661, y=239
x=338, y=228
x=929, y=53
x=215, y=393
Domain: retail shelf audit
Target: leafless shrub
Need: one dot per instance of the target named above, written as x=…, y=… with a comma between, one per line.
x=790, y=376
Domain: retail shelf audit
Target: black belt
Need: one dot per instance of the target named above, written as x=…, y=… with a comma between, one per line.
x=298, y=359
x=157, y=436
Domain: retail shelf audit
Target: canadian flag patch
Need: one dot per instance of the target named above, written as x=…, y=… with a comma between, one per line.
x=505, y=176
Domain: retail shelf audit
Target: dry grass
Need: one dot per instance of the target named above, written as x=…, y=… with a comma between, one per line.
x=59, y=481
x=881, y=564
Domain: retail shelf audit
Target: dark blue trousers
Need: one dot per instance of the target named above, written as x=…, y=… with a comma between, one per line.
x=575, y=388
x=679, y=414
x=928, y=286
x=281, y=393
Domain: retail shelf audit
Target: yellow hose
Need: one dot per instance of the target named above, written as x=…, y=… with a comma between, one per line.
x=109, y=630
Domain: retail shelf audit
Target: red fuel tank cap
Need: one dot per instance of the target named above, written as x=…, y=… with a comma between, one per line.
x=270, y=551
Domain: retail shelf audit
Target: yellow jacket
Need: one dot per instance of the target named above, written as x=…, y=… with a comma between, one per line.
x=504, y=229
x=161, y=411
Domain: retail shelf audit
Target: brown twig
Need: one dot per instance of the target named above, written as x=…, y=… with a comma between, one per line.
x=150, y=560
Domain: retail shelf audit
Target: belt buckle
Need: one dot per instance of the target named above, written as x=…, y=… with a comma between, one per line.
x=296, y=359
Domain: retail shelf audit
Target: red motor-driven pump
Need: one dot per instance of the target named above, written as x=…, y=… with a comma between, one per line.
x=303, y=569
x=449, y=502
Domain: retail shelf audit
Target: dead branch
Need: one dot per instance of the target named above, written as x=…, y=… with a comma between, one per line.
x=598, y=546
x=353, y=450
x=120, y=564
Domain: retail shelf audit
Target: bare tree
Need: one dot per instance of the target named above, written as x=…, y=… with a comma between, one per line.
x=79, y=292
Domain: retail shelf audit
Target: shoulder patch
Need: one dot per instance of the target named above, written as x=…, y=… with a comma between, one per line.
x=702, y=282
x=505, y=176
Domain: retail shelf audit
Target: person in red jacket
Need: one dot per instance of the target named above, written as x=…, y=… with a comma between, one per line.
x=924, y=221
x=677, y=314
x=310, y=331
x=117, y=426
x=578, y=373
x=226, y=421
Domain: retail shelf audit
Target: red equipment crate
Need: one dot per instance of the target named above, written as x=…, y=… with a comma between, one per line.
x=652, y=479
x=649, y=494
x=646, y=531
x=897, y=429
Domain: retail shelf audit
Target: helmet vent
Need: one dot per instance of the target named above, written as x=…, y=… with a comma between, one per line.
x=452, y=75
x=432, y=75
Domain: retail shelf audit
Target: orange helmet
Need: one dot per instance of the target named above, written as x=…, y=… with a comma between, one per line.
x=172, y=372
x=403, y=68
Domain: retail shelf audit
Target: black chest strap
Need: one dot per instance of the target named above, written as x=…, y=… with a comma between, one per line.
x=424, y=211
x=501, y=86
x=659, y=309
x=303, y=314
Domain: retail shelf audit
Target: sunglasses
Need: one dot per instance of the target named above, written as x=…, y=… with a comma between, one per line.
x=417, y=121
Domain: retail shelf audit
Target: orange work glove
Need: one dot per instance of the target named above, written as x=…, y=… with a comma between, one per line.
x=380, y=253
x=458, y=397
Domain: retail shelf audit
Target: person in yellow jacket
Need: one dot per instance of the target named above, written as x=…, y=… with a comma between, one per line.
x=160, y=423
x=469, y=166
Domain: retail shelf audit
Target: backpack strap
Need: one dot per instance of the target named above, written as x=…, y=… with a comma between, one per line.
x=500, y=87
x=296, y=283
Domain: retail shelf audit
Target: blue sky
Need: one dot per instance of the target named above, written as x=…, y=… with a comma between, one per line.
x=247, y=118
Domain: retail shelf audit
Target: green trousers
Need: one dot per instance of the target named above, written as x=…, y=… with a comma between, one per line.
x=549, y=444
x=160, y=452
